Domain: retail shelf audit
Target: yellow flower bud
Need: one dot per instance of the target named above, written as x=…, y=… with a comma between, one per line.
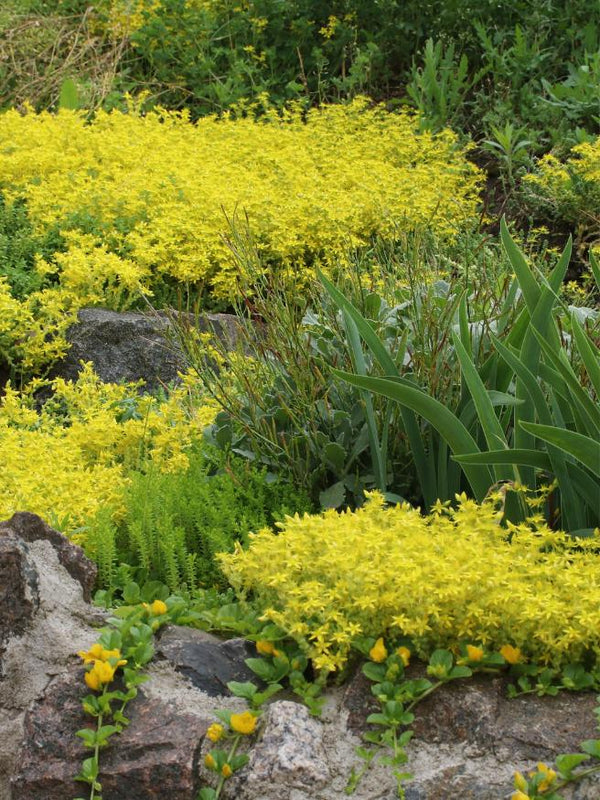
x=520, y=782
x=378, y=652
x=209, y=761
x=519, y=796
x=226, y=771
x=550, y=777
x=474, y=653
x=404, y=654
x=265, y=648
x=511, y=654
x=215, y=732
x=243, y=723
x=158, y=607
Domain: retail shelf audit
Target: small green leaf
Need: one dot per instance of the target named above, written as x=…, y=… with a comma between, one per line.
x=377, y=719
x=207, y=794
x=591, y=746
x=334, y=496
x=131, y=593
x=567, y=762
x=245, y=690
x=460, y=672
x=374, y=672
x=69, y=96
x=88, y=735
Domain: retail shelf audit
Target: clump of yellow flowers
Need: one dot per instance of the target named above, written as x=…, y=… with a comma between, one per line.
x=143, y=202
x=571, y=188
x=455, y=575
x=72, y=457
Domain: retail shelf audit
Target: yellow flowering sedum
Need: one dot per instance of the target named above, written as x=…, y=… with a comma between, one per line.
x=144, y=201
x=440, y=579
x=571, y=188
x=72, y=458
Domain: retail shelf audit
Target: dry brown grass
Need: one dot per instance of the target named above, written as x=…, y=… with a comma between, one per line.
x=38, y=52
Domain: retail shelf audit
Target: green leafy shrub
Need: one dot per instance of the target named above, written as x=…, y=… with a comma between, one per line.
x=517, y=357
x=173, y=525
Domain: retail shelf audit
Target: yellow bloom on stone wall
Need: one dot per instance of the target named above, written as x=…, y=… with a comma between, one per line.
x=243, y=723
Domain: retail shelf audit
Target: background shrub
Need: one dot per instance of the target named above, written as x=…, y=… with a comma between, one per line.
x=140, y=205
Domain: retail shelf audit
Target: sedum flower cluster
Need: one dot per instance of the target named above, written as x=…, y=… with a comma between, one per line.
x=144, y=202
x=571, y=189
x=452, y=577
x=71, y=458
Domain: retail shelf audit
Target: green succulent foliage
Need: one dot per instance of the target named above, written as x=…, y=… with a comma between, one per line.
x=175, y=524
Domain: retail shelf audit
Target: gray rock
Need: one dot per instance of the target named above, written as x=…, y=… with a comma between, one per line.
x=130, y=346
x=469, y=738
x=31, y=528
x=209, y=663
x=56, y=624
x=19, y=596
x=289, y=756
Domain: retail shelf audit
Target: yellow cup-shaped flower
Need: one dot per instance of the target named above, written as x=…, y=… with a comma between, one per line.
x=243, y=723
x=511, y=654
x=378, y=652
x=474, y=653
x=101, y=673
x=158, y=607
x=215, y=732
x=95, y=653
x=209, y=761
x=519, y=796
x=265, y=648
x=226, y=771
x=404, y=654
